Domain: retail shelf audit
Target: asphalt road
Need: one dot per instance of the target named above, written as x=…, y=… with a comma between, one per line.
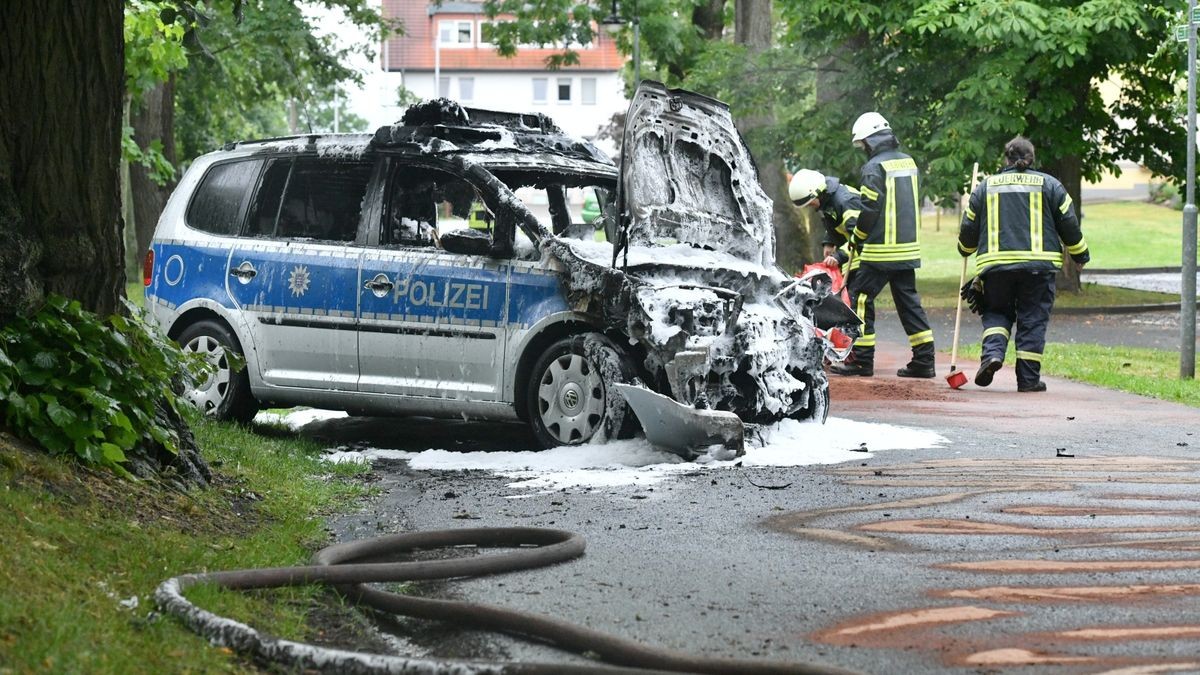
x=990, y=554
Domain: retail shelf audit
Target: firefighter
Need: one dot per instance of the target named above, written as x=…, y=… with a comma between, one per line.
x=839, y=206
x=1016, y=224
x=886, y=248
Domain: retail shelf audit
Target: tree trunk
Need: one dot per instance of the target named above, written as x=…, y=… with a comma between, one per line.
x=1069, y=170
x=754, y=23
x=709, y=17
x=62, y=65
x=152, y=119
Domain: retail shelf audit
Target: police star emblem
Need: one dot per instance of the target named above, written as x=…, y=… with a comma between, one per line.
x=299, y=280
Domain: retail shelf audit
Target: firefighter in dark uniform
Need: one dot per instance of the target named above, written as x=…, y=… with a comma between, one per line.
x=886, y=248
x=839, y=206
x=1016, y=224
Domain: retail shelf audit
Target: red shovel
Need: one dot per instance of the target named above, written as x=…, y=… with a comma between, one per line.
x=957, y=378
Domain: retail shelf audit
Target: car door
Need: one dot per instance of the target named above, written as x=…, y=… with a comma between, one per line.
x=431, y=322
x=295, y=275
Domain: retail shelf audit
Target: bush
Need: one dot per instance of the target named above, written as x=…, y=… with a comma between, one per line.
x=1167, y=194
x=99, y=390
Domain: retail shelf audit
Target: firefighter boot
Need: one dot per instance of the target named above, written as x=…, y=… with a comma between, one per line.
x=859, y=364
x=856, y=368
x=921, y=364
x=987, y=369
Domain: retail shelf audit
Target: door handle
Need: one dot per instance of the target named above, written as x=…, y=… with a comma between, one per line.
x=244, y=272
x=379, y=285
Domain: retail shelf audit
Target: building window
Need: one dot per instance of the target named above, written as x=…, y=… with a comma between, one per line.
x=487, y=32
x=456, y=33
x=587, y=90
x=539, y=89
x=444, y=87
x=466, y=89
x=564, y=90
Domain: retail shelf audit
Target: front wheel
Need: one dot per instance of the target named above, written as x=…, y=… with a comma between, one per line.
x=571, y=397
x=224, y=393
x=817, y=392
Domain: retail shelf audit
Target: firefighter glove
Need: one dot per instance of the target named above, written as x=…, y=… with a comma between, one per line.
x=972, y=293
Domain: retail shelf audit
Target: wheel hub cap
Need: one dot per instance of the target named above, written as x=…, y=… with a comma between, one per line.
x=571, y=398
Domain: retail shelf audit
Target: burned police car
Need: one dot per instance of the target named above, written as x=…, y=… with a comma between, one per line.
x=439, y=267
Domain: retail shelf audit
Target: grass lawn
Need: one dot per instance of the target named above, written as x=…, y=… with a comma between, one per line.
x=78, y=543
x=136, y=292
x=1120, y=235
x=1148, y=372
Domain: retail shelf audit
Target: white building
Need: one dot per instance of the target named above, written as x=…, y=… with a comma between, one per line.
x=445, y=43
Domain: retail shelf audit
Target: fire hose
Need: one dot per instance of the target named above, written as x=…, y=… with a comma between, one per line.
x=348, y=568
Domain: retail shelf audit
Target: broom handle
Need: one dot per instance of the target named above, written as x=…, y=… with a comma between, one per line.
x=962, y=279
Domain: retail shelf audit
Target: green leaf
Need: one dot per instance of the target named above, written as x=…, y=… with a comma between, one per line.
x=50, y=439
x=112, y=453
x=58, y=414
x=31, y=374
x=79, y=430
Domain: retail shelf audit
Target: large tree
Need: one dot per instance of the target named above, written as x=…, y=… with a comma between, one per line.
x=61, y=91
x=958, y=78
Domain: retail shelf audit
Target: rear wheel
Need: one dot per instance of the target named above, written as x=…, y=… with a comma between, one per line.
x=570, y=395
x=225, y=392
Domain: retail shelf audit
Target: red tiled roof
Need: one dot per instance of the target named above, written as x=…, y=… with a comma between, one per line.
x=415, y=50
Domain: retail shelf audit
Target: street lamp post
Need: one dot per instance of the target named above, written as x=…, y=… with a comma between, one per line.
x=1187, y=352
x=614, y=22
x=637, y=43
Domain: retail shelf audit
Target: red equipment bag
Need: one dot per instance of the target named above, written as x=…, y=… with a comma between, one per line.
x=835, y=276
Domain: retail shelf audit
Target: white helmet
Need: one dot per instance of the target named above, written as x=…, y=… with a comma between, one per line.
x=805, y=185
x=867, y=124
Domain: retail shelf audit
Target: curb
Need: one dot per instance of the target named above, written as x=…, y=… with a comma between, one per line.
x=1122, y=309
x=1134, y=270
x=1126, y=309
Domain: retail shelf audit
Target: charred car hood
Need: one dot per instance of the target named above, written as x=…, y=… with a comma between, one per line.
x=688, y=178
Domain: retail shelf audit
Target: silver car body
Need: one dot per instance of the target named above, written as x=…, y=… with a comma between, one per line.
x=395, y=329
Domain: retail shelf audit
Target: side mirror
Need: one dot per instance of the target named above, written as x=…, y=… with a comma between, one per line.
x=467, y=242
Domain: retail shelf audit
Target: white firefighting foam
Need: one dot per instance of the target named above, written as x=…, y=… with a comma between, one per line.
x=636, y=462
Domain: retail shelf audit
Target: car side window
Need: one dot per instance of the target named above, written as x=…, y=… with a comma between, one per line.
x=423, y=204
x=218, y=203
x=310, y=198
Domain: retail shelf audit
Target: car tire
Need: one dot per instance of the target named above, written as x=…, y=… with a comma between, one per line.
x=823, y=393
x=224, y=394
x=817, y=407
x=570, y=395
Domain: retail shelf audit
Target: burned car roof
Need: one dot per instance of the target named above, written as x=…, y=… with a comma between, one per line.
x=443, y=128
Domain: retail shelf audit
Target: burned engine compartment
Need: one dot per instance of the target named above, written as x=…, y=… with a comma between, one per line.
x=714, y=337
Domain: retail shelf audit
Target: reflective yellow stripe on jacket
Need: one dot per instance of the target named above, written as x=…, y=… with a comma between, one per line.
x=895, y=247
x=1029, y=188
